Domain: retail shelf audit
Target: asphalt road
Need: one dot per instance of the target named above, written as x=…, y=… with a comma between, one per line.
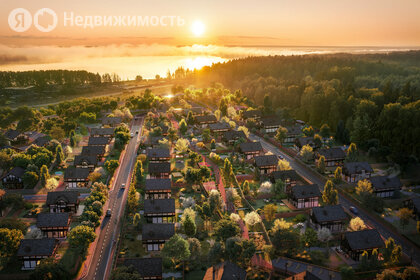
x=101, y=262
x=407, y=247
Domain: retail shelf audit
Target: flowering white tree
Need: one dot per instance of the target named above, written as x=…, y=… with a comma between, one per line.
x=235, y=217
x=188, y=202
x=265, y=187
x=324, y=235
x=252, y=218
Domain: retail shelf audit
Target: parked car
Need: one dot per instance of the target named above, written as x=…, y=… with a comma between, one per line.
x=108, y=213
x=354, y=210
x=122, y=186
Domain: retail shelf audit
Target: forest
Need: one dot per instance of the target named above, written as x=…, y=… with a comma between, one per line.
x=371, y=99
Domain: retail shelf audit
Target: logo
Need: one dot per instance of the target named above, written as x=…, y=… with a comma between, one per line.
x=45, y=20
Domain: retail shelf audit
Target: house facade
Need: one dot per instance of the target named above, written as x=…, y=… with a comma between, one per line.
x=354, y=243
x=385, y=186
x=63, y=201
x=54, y=225
x=102, y=132
x=271, y=125
x=333, y=156
x=158, y=155
x=158, y=188
x=289, y=177
x=266, y=164
x=331, y=217
x=231, y=136
x=154, y=236
x=32, y=251
x=14, y=178
x=356, y=171
x=86, y=161
x=76, y=177
x=148, y=268
x=251, y=149
x=159, y=170
x=305, y=196
x=159, y=211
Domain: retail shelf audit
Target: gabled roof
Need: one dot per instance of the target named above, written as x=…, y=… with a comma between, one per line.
x=158, y=153
x=16, y=171
x=70, y=197
x=266, y=160
x=329, y=213
x=332, y=153
x=93, y=150
x=154, y=140
x=364, y=239
x=233, y=135
x=37, y=247
x=111, y=120
x=102, y=131
x=225, y=271
x=158, y=231
x=79, y=159
x=306, y=275
x=306, y=191
x=146, y=267
x=271, y=121
x=159, y=206
x=251, y=114
x=385, y=182
x=294, y=130
x=12, y=133
x=249, y=147
x=285, y=174
x=98, y=141
x=219, y=126
x=205, y=118
x=302, y=141
x=356, y=167
x=52, y=220
x=159, y=167
x=72, y=172
x=42, y=141
x=158, y=184
x=416, y=203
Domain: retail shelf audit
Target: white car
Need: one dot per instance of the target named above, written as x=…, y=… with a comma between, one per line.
x=132, y=134
x=122, y=186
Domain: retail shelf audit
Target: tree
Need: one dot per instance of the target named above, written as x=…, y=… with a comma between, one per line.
x=404, y=214
x=388, y=274
x=226, y=228
x=252, y=218
x=214, y=201
x=73, y=141
x=176, y=249
x=318, y=140
x=347, y=272
x=364, y=187
x=9, y=243
x=308, y=131
x=59, y=155
x=182, y=145
x=283, y=165
x=111, y=165
x=189, y=226
x=338, y=175
x=213, y=145
x=342, y=134
x=411, y=273
x=321, y=165
x=223, y=107
x=132, y=200
x=91, y=217
x=44, y=175
x=183, y=127
x=330, y=194
x=270, y=211
x=310, y=238
x=190, y=118
x=136, y=219
x=357, y=224
x=278, y=189
x=392, y=252
x=352, y=153
x=325, y=131
x=94, y=176
x=195, y=248
x=81, y=236
x=139, y=172
x=245, y=187
x=244, y=129
x=281, y=134
x=57, y=133
x=49, y=269
x=30, y=179
x=324, y=235
x=286, y=242
x=206, y=135
x=306, y=153
x=239, y=250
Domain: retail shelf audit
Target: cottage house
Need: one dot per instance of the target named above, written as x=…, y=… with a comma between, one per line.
x=63, y=201
x=42, y=141
x=355, y=171
x=333, y=156
x=148, y=268
x=219, y=127
x=204, y=120
x=384, y=186
x=231, y=136
x=15, y=136
x=159, y=211
x=266, y=164
x=331, y=217
x=251, y=149
x=102, y=132
x=302, y=141
x=305, y=196
x=14, y=178
x=292, y=133
x=76, y=177
x=158, y=188
x=354, y=243
x=154, y=236
x=158, y=155
x=271, y=124
x=98, y=151
x=86, y=161
x=225, y=271
x=289, y=177
x=99, y=141
x=159, y=170
x=251, y=115
x=153, y=141
x=111, y=121
x=413, y=204
x=32, y=251
x=54, y=225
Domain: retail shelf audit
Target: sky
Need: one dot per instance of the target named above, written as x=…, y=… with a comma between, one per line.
x=230, y=29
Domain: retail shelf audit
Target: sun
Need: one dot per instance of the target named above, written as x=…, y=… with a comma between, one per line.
x=198, y=28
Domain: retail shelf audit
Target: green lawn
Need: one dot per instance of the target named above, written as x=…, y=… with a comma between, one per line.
x=195, y=274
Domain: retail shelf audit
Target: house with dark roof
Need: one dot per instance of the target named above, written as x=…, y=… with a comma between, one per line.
x=251, y=114
x=99, y=141
x=54, y=225
x=159, y=211
x=159, y=170
x=355, y=171
x=75, y=177
x=111, y=121
x=14, y=178
x=63, y=201
x=271, y=124
x=225, y=271
x=102, y=132
x=292, y=133
x=86, y=161
x=158, y=155
x=158, y=188
x=98, y=151
x=15, y=136
x=251, y=149
x=204, y=120
x=42, y=141
x=148, y=268
x=231, y=136
x=413, y=204
x=333, y=156
x=306, y=275
x=354, y=243
x=385, y=186
x=266, y=164
x=302, y=141
x=219, y=127
x=331, y=217
x=154, y=236
x=289, y=177
x=32, y=251
x=305, y=196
